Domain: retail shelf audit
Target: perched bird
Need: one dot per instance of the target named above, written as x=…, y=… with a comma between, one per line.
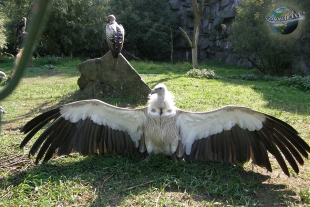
x=2, y=76
x=21, y=26
x=2, y=111
x=230, y=134
x=115, y=34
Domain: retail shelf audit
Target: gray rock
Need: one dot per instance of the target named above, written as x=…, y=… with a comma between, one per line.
x=110, y=77
x=174, y=5
x=226, y=14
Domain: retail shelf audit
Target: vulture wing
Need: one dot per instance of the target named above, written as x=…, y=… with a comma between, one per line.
x=88, y=127
x=237, y=134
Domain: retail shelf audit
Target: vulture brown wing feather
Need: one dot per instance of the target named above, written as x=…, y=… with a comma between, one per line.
x=44, y=117
x=274, y=150
x=65, y=147
x=241, y=144
x=290, y=146
x=36, y=124
x=258, y=151
x=287, y=154
x=290, y=134
x=45, y=135
x=56, y=138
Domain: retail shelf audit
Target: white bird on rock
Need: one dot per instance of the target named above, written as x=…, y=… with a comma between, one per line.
x=230, y=134
x=115, y=34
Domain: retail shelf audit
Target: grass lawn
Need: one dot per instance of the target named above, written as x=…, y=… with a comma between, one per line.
x=117, y=180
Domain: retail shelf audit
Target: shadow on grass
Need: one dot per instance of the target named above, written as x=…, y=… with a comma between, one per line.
x=119, y=180
x=277, y=97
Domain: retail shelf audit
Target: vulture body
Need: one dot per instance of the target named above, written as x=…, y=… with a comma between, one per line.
x=21, y=26
x=230, y=134
x=115, y=34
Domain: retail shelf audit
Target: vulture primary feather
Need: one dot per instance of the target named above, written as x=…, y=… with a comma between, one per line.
x=230, y=134
x=115, y=34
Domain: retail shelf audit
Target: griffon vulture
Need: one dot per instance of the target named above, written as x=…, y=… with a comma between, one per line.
x=115, y=34
x=231, y=134
x=21, y=26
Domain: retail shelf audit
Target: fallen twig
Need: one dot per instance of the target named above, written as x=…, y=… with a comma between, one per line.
x=105, y=180
x=142, y=184
x=157, y=199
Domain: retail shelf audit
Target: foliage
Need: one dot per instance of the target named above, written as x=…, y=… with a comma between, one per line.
x=253, y=38
x=297, y=81
x=204, y=73
x=148, y=25
x=74, y=27
x=78, y=27
x=305, y=195
x=3, y=20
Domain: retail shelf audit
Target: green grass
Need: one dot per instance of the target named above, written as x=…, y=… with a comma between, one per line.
x=124, y=180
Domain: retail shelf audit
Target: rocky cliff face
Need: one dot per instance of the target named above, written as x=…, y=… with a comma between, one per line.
x=217, y=19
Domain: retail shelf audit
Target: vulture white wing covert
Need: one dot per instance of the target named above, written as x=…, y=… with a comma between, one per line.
x=230, y=134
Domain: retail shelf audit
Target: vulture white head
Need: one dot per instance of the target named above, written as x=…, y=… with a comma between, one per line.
x=111, y=18
x=161, y=100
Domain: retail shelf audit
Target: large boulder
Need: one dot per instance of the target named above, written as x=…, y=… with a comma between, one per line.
x=111, y=77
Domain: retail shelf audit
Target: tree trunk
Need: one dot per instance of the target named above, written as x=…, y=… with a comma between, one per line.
x=197, y=15
x=195, y=45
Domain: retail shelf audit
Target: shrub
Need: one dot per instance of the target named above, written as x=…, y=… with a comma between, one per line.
x=204, y=73
x=297, y=81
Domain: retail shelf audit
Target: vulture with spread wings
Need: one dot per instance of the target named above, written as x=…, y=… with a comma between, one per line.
x=230, y=134
x=115, y=34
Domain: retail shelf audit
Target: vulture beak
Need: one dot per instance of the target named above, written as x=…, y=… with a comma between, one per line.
x=153, y=91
